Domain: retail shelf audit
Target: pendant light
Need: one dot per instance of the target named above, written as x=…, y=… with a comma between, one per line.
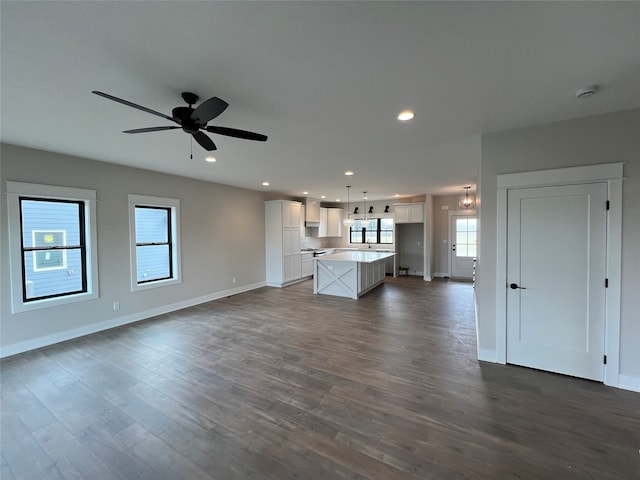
x=348, y=221
x=365, y=220
x=467, y=201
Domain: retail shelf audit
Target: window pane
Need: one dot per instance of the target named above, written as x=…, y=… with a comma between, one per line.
x=471, y=238
x=473, y=225
x=461, y=225
x=461, y=238
x=152, y=225
x=49, y=224
x=371, y=236
x=461, y=251
x=386, y=223
x=471, y=251
x=53, y=281
x=153, y=262
x=386, y=237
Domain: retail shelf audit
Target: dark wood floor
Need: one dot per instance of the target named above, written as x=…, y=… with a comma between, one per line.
x=282, y=384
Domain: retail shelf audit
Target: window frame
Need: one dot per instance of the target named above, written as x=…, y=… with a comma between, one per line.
x=18, y=191
x=173, y=226
x=378, y=230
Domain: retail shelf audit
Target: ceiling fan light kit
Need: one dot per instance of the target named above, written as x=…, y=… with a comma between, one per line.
x=191, y=120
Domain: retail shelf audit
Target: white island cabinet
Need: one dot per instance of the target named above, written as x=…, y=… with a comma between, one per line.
x=349, y=274
x=282, y=240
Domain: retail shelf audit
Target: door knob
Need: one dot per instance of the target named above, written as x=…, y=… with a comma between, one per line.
x=513, y=286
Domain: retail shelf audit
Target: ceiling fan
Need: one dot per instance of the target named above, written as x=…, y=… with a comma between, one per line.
x=192, y=120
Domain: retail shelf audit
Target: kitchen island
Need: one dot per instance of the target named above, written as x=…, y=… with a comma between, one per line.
x=349, y=274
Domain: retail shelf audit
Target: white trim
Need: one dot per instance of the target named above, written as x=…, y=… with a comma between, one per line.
x=148, y=201
x=612, y=173
x=46, y=340
x=14, y=191
x=562, y=176
x=487, y=355
x=629, y=382
x=440, y=274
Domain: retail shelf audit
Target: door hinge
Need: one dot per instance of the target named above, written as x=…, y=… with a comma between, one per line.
x=606, y=283
x=608, y=205
x=605, y=359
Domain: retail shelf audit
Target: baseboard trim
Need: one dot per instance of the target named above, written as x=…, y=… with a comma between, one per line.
x=487, y=355
x=629, y=382
x=20, y=347
x=440, y=274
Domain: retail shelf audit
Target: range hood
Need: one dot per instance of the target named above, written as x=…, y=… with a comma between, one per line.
x=312, y=213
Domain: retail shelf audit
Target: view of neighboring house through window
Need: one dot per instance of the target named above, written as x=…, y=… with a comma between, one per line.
x=52, y=244
x=153, y=246
x=53, y=248
x=374, y=230
x=154, y=250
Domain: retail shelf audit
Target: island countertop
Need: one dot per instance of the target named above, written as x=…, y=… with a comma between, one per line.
x=359, y=256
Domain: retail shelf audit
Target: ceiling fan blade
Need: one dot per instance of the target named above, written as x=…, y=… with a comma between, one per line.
x=234, y=132
x=204, y=141
x=149, y=129
x=208, y=110
x=134, y=105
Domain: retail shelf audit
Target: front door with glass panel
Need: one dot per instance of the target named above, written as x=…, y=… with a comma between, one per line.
x=463, y=245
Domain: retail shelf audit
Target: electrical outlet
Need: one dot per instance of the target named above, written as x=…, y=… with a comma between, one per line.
x=116, y=306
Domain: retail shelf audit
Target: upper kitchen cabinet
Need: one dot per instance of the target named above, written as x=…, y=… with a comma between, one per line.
x=312, y=212
x=282, y=242
x=330, y=222
x=409, y=213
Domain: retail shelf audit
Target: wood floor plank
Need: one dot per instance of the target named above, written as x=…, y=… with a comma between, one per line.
x=279, y=384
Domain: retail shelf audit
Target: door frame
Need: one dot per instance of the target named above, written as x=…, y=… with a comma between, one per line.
x=461, y=213
x=612, y=174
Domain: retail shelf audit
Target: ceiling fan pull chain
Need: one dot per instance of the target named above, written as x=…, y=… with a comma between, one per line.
x=191, y=148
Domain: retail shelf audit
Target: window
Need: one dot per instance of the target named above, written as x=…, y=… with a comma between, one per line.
x=466, y=237
x=154, y=241
x=374, y=230
x=52, y=236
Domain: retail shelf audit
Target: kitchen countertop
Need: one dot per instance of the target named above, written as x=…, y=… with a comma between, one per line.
x=357, y=256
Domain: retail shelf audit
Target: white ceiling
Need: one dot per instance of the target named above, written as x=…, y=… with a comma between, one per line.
x=324, y=80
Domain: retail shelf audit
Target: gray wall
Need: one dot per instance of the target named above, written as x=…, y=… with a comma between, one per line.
x=441, y=231
x=592, y=140
x=411, y=249
x=222, y=235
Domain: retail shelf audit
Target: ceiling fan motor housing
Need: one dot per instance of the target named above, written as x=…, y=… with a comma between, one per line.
x=182, y=115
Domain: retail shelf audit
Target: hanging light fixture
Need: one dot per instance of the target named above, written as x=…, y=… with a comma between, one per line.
x=365, y=220
x=348, y=221
x=466, y=201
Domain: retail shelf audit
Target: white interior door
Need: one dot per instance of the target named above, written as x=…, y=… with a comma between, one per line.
x=556, y=266
x=464, y=229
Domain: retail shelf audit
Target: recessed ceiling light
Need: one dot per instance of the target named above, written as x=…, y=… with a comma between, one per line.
x=265, y=184
x=305, y=193
x=348, y=173
x=397, y=195
x=337, y=199
x=406, y=115
x=323, y=196
x=210, y=159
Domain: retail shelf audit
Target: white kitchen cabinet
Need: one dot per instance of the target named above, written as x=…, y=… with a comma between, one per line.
x=282, y=241
x=307, y=265
x=409, y=213
x=334, y=222
x=330, y=222
x=324, y=215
